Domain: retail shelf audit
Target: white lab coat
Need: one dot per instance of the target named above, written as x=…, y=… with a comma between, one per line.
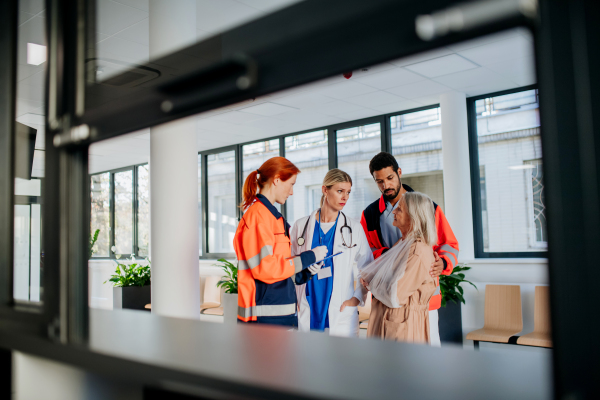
x=345, y=267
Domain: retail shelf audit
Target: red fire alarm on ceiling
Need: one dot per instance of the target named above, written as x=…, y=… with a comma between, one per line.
x=347, y=75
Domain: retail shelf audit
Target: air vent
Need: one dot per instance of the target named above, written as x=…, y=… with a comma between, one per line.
x=118, y=74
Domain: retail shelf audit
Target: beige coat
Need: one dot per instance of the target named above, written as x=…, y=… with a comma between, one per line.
x=409, y=323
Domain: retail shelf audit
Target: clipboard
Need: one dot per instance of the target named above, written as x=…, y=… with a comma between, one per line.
x=326, y=258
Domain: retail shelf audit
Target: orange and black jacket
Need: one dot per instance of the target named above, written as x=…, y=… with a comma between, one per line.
x=266, y=290
x=446, y=246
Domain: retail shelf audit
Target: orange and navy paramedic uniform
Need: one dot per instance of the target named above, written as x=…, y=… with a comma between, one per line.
x=266, y=290
x=446, y=246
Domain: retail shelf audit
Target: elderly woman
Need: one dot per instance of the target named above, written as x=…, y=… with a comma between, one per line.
x=400, y=279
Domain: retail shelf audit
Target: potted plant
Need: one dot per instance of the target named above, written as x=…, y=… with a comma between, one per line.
x=131, y=285
x=450, y=317
x=230, y=284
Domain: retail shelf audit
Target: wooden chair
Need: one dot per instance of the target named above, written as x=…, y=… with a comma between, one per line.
x=503, y=317
x=212, y=295
x=540, y=336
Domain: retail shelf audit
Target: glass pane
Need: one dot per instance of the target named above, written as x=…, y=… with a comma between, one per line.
x=143, y=204
x=308, y=152
x=417, y=145
x=255, y=154
x=100, y=216
x=510, y=159
x=21, y=252
x=29, y=151
x=200, y=204
x=123, y=39
x=355, y=148
x=222, y=216
x=123, y=212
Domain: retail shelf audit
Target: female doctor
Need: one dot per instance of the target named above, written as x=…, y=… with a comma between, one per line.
x=327, y=299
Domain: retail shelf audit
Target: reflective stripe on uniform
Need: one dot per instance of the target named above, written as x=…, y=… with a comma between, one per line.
x=267, y=310
x=449, y=249
x=254, y=262
x=437, y=291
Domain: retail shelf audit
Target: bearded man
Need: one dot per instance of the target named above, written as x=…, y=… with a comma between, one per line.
x=377, y=221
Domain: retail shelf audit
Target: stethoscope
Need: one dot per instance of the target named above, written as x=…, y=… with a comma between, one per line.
x=301, y=237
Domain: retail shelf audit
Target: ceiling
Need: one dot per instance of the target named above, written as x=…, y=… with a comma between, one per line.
x=492, y=63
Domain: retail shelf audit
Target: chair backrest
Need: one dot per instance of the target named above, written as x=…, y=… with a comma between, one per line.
x=541, y=313
x=503, y=307
x=212, y=294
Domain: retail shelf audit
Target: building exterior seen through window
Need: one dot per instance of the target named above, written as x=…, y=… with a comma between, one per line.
x=143, y=211
x=355, y=149
x=309, y=152
x=101, y=199
x=510, y=159
x=417, y=145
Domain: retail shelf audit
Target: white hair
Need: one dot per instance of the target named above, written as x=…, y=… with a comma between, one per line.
x=419, y=208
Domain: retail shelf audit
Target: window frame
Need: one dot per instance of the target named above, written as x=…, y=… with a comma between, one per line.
x=135, y=210
x=475, y=182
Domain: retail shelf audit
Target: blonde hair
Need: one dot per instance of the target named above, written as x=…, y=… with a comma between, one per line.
x=419, y=208
x=332, y=177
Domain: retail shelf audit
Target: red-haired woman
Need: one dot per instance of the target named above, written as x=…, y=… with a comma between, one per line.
x=266, y=291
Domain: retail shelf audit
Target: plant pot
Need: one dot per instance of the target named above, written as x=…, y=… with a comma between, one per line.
x=450, y=323
x=131, y=297
x=230, y=307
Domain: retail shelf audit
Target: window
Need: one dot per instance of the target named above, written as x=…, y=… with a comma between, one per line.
x=417, y=145
x=309, y=152
x=355, y=148
x=143, y=211
x=510, y=212
x=123, y=185
x=100, y=185
x=222, y=213
x=255, y=154
x=200, y=218
x=120, y=202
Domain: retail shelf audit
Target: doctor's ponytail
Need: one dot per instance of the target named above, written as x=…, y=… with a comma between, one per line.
x=276, y=167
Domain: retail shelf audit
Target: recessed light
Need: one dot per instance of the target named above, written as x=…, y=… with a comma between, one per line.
x=36, y=54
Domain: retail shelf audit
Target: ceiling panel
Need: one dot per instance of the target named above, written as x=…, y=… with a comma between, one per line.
x=442, y=66
x=423, y=88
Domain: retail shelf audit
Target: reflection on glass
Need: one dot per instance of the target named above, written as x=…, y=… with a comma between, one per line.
x=417, y=146
x=355, y=148
x=123, y=29
x=143, y=211
x=308, y=152
x=100, y=216
x=29, y=140
x=222, y=219
x=510, y=159
x=123, y=212
x=255, y=154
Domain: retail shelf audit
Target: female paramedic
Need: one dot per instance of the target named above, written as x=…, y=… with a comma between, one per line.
x=266, y=292
x=327, y=297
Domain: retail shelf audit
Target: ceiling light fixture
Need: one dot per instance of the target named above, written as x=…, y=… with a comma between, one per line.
x=36, y=54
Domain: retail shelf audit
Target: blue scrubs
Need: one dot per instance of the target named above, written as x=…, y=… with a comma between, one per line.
x=318, y=291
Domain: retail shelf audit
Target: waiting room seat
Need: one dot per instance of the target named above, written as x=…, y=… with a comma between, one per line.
x=212, y=296
x=503, y=317
x=540, y=336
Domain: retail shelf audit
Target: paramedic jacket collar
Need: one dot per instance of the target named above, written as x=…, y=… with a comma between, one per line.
x=274, y=211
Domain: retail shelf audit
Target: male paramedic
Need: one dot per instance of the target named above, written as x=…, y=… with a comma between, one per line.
x=377, y=221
